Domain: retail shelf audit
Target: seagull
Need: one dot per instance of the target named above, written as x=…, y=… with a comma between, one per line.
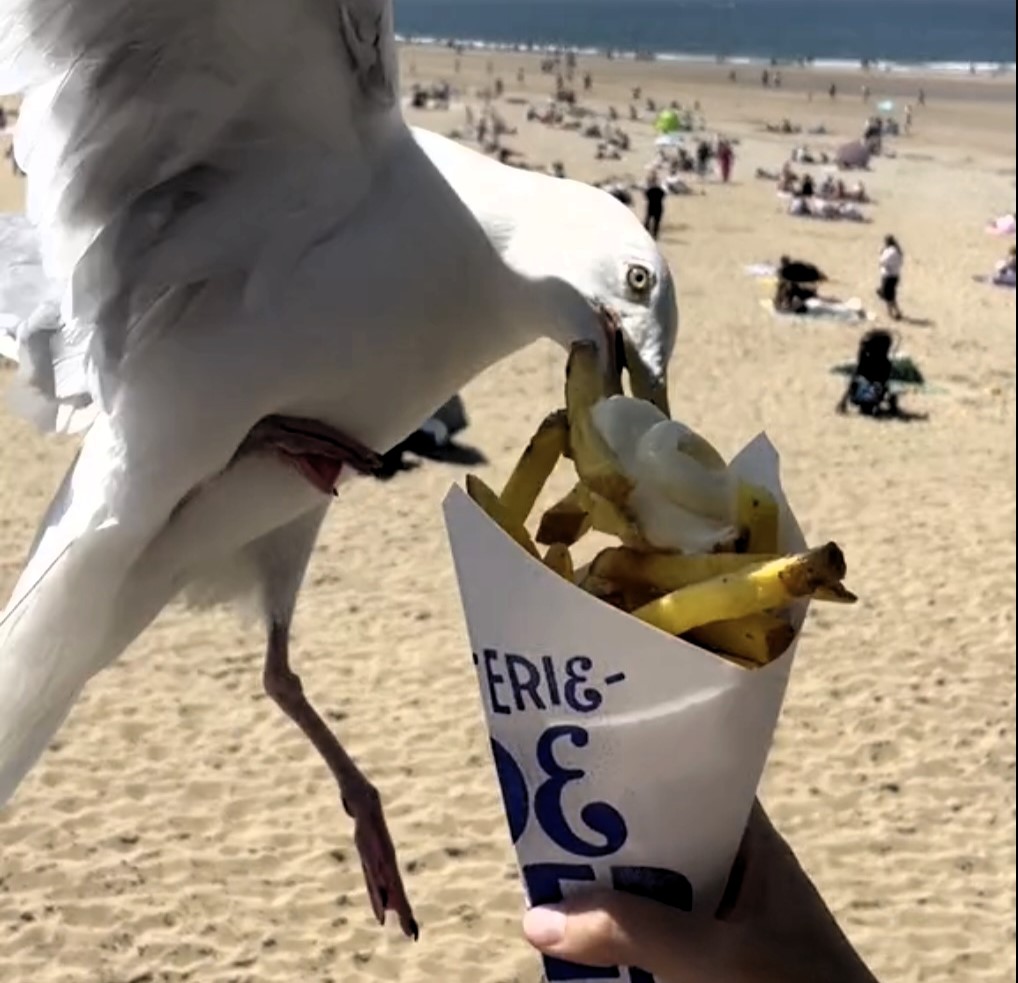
x=259, y=280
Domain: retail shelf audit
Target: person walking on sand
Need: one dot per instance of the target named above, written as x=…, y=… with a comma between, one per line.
x=726, y=159
x=892, y=259
x=655, y=196
x=703, y=156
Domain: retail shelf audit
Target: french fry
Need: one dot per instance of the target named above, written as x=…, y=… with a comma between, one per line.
x=668, y=571
x=535, y=466
x=726, y=601
x=566, y=521
x=835, y=595
x=595, y=463
x=486, y=498
x=759, y=515
x=558, y=559
x=758, y=638
x=607, y=517
x=751, y=590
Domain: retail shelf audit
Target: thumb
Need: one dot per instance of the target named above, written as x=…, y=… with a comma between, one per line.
x=615, y=929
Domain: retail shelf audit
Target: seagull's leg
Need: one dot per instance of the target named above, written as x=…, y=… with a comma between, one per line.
x=282, y=558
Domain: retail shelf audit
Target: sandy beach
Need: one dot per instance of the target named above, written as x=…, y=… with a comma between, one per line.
x=180, y=829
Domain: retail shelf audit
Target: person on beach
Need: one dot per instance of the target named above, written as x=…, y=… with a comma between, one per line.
x=703, y=155
x=1006, y=271
x=892, y=258
x=772, y=926
x=869, y=387
x=726, y=160
x=655, y=198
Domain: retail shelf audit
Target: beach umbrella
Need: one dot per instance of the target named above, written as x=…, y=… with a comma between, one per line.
x=667, y=121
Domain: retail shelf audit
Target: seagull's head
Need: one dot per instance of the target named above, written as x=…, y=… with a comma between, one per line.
x=587, y=243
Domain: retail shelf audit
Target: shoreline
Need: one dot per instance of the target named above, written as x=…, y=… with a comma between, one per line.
x=960, y=69
x=616, y=75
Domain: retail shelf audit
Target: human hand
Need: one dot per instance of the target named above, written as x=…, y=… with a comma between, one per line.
x=773, y=927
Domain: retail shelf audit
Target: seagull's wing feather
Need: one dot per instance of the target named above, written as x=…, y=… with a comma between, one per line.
x=167, y=143
x=170, y=141
x=53, y=625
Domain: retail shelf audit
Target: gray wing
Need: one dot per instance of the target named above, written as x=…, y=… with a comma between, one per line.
x=167, y=142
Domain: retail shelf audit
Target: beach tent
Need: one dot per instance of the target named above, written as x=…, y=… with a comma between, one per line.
x=667, y=121
x=853, y=155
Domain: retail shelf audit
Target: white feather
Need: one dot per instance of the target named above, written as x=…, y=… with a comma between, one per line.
x=238, y=224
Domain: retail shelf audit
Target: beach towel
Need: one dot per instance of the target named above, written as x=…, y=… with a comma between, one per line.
x=994, y=281
x=1002, y=226
x=845, y=312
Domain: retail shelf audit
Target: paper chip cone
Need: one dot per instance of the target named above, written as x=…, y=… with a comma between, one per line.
x=626, y=758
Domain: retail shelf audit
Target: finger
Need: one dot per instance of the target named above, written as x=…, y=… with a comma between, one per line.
x=614, y=929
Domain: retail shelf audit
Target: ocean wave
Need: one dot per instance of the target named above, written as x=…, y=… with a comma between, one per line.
x=977, y=69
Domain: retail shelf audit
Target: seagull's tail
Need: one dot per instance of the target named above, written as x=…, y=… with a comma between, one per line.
x=53, y=631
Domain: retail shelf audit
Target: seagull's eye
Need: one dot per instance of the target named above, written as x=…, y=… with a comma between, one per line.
x=639, y=278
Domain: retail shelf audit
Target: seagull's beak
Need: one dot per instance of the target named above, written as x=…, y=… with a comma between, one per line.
x=614, y=346
x=645, y=382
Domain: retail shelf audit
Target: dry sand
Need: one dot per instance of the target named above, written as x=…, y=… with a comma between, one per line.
x=180, y=829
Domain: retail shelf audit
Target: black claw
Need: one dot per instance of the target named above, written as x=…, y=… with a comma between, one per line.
x=383, y=898
x=414, y=929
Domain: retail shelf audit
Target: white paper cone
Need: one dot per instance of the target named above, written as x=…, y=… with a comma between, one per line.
x=626, y=757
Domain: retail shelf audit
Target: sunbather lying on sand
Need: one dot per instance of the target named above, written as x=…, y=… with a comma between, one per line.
x=1005, y=274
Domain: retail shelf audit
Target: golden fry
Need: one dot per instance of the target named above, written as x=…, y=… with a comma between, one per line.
x=492, y=505
x=759, y=515
x=595, y=462
x=558, y=559
x=607, y=517
x=535, y=466
x=758, y=638
x=566, y=521
x=751, y=590
x=836, y=594
x=668, y=571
